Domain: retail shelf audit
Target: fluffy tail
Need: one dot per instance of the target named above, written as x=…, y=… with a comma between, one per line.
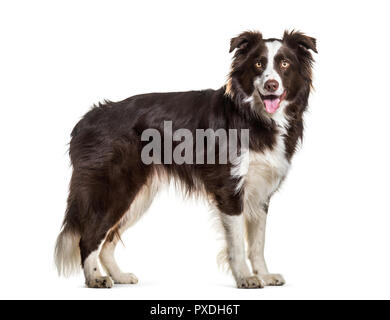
x=67, y=252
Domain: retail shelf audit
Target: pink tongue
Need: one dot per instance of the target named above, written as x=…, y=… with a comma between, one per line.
x=271, y=105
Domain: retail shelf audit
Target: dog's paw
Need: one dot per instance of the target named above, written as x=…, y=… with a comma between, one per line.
x=250, y=283
x=100, y=282
x=125, y=278
x=272, y=279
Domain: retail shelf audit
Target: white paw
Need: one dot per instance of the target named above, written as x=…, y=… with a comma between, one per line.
x=250, y=283
x=125, y=278
x=272, y=279
x=100, y=282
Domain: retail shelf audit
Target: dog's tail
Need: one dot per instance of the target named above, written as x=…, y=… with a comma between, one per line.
x=67, y=251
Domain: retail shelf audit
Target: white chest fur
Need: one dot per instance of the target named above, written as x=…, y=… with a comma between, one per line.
x=266, y=170
x=262, y=172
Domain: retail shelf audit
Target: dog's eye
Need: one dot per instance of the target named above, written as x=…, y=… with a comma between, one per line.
x=284, y=64
x=258, y=65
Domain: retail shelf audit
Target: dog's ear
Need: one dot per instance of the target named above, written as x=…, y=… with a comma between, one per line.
x=245, y=40
x=298, y=40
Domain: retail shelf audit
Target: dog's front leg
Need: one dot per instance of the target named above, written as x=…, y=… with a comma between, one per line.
x=256, y=238
x=235, y=240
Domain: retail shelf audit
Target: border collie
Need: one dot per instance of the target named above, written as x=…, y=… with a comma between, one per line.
x=112, y=187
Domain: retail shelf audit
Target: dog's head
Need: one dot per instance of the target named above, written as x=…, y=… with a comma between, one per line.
x=270, y=71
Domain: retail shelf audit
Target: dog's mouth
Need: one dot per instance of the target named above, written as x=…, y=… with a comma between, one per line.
x=272, y=102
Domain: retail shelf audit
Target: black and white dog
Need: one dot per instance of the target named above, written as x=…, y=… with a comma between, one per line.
x=111, y=186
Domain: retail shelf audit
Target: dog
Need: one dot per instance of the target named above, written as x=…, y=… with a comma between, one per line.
x=111, y=187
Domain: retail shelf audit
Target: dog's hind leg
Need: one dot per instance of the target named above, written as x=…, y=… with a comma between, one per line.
x=89, y=222
x=109, y=264
x=92, y=239
x=105, y=212
x=138, y=207
x=93, y=277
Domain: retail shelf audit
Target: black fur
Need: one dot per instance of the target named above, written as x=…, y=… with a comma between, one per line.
x=105, y=145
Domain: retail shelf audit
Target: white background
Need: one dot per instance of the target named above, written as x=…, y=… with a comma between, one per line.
x=328, y=230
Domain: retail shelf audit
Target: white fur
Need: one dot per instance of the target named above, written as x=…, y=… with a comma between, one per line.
x=249, y=99
x=141, y=203
x=234, y=236
x=239, y=168
x=270, y=72
x=67, y=253
x=93, y=277
x=91, y=267
x=107, y=259
x=256, y=239
x=266, y=171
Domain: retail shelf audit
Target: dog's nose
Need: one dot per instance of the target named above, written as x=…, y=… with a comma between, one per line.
x=271, y=85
